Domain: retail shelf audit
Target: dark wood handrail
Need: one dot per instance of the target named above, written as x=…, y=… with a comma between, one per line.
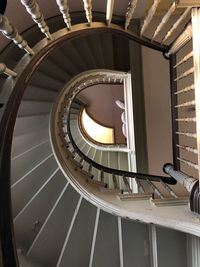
x=143, y=176
x=8, y=254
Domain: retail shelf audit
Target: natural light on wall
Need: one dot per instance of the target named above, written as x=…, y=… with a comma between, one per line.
x=96, y=131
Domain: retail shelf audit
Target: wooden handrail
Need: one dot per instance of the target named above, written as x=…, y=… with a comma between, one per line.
x=168, y=180
x=8, y=254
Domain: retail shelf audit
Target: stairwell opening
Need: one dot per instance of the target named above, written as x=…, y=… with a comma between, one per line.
x=100, y=105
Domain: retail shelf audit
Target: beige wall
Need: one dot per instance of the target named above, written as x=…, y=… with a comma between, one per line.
x=157, y=107
x=100, y=100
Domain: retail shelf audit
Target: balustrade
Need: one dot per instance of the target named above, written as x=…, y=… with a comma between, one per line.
x=11, y=33
x=149, y=16
x=183, y=38
x=88, y=10
x=164, y=20
x=33, y=9
x=176, y=25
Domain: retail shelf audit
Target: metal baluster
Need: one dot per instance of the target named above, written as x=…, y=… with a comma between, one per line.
x=7, y=71
x=129, y=13
x=33, y=9
x=11, y=33
x=184, y=59
x=64, y=9
x=175, y=26
x=164, y=20
x=150, y=15
x=88, y=10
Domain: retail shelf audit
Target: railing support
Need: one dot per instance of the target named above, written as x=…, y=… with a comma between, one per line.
x=7, y=71
x=33, y=9
x=149, y=16
x=64, y=9
x=109, y=11
x=88, y=10
x=11, y=33
x=129, y=13
x=164, y=20
x=176, y=24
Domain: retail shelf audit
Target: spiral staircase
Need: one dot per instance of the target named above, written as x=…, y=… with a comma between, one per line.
x=71, y=206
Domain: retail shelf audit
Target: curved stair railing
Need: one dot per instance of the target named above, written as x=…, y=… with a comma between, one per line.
x=80, y=85
x=71, y=160
x=67, y=150
x=13, y=91
x=16, y=88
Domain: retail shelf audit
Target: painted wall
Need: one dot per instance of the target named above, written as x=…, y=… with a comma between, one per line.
x=157, y=106
x=100, y=100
